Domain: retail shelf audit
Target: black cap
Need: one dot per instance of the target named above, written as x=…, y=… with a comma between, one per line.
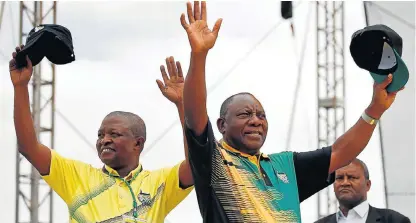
x=50, y=40
x=378, y=49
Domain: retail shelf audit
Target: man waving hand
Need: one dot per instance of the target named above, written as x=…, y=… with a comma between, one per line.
x=234, y=180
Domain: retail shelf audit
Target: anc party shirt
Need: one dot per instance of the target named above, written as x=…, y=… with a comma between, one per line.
x=97, y=196
x=235, y=187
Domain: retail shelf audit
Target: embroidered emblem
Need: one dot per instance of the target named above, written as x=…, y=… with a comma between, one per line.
x=38, y=28
x=283, y=177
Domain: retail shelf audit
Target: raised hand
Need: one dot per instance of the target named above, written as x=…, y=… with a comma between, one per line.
x=20, y=77
x=172, y=88
x=382, y=100
x=200, y=36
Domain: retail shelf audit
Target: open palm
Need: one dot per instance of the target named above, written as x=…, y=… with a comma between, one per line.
x=172, y=88
x=200, y=36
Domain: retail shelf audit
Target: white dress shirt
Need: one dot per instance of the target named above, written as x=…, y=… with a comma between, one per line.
x=356, y=215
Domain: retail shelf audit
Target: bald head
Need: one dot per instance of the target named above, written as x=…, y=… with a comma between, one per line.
x=136, y=124
x=363, y=167
x=229, y=100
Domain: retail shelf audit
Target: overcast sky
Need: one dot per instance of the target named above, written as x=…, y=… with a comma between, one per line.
x=119, y=47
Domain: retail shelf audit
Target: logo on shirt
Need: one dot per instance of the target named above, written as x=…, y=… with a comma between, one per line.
x=147, y=200
x=147, y=203
x=283, y=177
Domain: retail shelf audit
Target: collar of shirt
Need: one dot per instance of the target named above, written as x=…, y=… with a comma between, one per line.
x=360, y=210
x=235, y=151
x=113, y=172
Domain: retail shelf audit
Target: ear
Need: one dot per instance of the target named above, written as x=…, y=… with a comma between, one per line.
x=140, y=143
x=221, y=125
x=368, y=184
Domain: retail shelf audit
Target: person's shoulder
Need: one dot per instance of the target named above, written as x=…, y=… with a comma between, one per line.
x=392, y=213
x=281, y=154
x=325, y=219
x=320, y=151
x=71, y=163
x=148, y=172
x=161, y=172
x=282, y=160
x=155, y=172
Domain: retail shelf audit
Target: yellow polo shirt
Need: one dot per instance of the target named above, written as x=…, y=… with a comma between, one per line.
x=93, y=196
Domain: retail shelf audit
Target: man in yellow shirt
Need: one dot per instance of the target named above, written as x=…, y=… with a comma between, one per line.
x=121, y=191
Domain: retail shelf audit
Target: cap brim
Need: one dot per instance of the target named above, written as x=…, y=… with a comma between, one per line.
x=29, y=44
x=400, y=76
x=21, y=56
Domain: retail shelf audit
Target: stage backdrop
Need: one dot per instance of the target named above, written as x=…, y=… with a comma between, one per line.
x=398, y=124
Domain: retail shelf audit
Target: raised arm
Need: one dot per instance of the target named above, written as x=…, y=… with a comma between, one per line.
x=353, y=142
x=201, y=39
x=172, y=89
x=37, y=154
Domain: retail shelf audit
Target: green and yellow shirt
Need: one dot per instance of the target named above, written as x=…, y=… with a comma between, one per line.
x=235, y=187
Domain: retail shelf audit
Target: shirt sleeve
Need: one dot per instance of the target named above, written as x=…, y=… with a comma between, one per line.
x=173, y=193
x=312, y=171
x=64, y=175
x=200, y=149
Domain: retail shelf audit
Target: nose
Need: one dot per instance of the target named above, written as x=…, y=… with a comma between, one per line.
x=345, y=182
x=106, y=140
x=255, y=120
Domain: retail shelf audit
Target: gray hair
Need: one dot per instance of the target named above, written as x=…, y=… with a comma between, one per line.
x=365, y=169
x=136, y=124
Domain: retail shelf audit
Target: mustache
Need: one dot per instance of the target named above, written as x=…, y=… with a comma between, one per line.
x=345, y=188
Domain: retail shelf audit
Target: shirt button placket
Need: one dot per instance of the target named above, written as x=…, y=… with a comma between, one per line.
x=121, y=200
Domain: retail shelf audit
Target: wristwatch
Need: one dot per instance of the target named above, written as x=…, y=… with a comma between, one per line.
x=368, y=119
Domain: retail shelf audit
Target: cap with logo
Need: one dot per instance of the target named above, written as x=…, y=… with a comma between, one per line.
x=50, y=40
x=378, y=49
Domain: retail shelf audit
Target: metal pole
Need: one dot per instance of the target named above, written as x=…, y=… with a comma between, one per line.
x=3, y=5
x=36, y=83
x=317, y=93
x=43, y=84
x=52, y=118
x=330, y=86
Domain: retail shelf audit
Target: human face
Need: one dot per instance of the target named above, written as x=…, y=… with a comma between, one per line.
x=116, y=145
x=244, y=126
x=350, y=185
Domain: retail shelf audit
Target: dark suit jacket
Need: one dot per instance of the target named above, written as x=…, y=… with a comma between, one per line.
x=375, y=215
